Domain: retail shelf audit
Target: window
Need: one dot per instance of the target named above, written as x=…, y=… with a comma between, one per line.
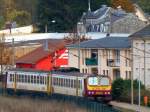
x=94, y=53
x=92, y=81
x=117, y=54
x=26, y=79
x=103, y=72
x=29, y=79
x=137, y=44
x=11, y=77
x=23, y=78
x=107, y=72
x=71, y=83
x=34, y=79
x=38, y=79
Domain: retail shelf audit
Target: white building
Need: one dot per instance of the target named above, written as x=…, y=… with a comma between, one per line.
x=141, y=55
x=105, y=56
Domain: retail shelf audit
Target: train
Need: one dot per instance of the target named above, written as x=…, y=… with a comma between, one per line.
x=57, y=82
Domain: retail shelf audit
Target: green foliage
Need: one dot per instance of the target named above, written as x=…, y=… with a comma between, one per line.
x=145, y=4
x=2, y=22
x=66, y=13
x=21, y=17
x=121, y=90
x=117, y=88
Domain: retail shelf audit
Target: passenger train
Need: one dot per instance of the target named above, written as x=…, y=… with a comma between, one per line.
x=54, y=82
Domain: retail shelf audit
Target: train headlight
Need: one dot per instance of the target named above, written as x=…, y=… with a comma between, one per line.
x=108, y=92
x=89, y=92
x=92, y=92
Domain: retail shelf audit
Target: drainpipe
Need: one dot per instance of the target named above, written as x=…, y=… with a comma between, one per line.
x=144, y=63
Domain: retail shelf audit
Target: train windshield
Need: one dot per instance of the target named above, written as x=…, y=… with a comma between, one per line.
x=92, y=81
x=104, y=81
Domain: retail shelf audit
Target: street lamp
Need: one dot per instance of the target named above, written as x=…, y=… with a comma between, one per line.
x=46, y=25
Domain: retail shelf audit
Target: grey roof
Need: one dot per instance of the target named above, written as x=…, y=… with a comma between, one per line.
x=95, y=14
x=145, y=32
x=107, y=42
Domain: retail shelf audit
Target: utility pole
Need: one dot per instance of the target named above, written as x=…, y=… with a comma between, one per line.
x=13, y=53
x=132, y=97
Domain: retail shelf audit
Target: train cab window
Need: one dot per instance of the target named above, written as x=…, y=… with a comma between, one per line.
x=92, y=81
x=104, y=81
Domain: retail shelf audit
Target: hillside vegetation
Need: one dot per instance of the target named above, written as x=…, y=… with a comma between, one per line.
x=66, y=13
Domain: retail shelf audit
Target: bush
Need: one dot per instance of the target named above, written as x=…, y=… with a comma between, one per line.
x=121, y=90
x=117, y=88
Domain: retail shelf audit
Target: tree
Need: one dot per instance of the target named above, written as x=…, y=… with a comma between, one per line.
x=117, y=88
x=145, y=4
x=125, y=4
x=21, y=17
x=66, y=13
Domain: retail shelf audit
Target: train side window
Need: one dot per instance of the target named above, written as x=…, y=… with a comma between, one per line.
x=74, y=84
x=71, y=83
x=10, y=78
x=41, y=79
x=45, y=80
x=25, y=78
x=60, y=82
x=38, y=78
x=28, y=79
x=34, y=80
x=18, y=77
x=80, y=84
x=31, y=78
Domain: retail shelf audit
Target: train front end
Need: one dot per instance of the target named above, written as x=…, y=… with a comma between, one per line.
x=98, y=86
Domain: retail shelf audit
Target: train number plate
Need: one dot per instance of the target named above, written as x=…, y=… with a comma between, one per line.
x=99, y=93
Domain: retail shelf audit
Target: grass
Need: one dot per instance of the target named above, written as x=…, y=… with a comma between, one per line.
x=24, y=104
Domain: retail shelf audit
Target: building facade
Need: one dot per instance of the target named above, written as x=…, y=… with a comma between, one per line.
x=108, y=20
x=141, y=55
x=55, y=56
x=107, y=56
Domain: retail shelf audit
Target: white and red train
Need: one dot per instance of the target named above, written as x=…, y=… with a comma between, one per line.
x=71, y=83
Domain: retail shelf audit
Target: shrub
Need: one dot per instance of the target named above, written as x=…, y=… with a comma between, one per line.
x=117, y=88
x=121, y=91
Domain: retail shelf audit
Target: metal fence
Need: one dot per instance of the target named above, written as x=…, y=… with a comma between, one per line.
x=89, y=105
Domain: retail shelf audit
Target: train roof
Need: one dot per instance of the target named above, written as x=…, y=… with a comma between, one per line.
x=70, y=73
